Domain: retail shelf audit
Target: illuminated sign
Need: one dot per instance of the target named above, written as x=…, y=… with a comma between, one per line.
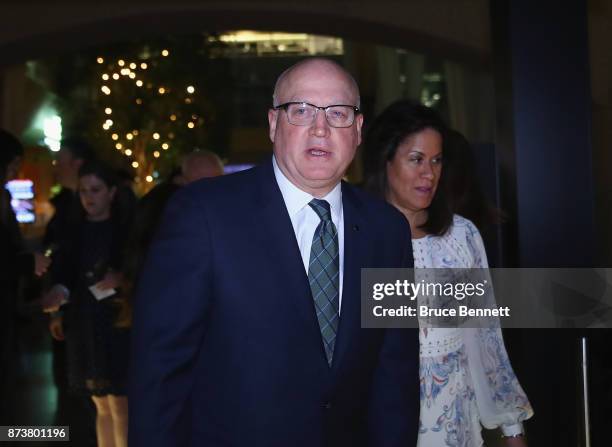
x=22, y=199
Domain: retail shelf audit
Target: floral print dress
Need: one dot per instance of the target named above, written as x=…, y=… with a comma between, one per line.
x=465, y=374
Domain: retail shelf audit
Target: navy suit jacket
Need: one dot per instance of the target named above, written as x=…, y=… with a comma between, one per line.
x=227, y=349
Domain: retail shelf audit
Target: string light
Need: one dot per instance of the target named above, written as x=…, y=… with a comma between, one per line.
x=139, y=159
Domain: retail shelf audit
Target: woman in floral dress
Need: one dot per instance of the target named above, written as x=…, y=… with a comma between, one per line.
x=466, y=379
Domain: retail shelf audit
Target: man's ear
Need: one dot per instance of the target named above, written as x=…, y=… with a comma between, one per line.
x=358, y=124
x=272, y=118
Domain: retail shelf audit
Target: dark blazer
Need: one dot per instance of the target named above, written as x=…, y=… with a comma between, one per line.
x=227, y=350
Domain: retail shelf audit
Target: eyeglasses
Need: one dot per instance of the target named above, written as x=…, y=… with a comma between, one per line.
x=304, y=114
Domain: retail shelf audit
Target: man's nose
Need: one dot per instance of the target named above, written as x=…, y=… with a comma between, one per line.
x=320, y=127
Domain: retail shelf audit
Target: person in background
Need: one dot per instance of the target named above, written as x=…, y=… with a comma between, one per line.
x=11, y=153
x=465, y=374
x=89, y=276
x=74, y=152
x=195, y=166
x=200, y=164
x=15, y=262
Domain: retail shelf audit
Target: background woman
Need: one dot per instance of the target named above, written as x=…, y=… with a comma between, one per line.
x=89, y=269
x=465, y=375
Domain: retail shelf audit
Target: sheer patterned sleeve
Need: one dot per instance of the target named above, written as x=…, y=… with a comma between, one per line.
x=500, y=399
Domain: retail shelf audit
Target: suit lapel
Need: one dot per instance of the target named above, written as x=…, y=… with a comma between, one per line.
x=356, y=252
x=278, y=238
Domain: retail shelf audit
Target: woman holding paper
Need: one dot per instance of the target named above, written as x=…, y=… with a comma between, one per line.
x=465, y=375
x=89, y=274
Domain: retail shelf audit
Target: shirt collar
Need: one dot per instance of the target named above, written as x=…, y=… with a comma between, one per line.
x=296, y=199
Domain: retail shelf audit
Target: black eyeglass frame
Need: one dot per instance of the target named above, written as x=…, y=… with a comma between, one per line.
x=286, y=105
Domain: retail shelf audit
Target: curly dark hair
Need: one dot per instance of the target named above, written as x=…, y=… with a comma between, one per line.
x=396, y=123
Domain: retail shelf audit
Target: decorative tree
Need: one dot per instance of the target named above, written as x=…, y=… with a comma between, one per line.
x=148, y=101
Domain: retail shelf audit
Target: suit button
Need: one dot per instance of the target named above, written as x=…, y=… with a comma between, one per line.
x=327, y=405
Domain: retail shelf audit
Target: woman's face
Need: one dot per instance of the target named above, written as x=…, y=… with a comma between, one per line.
x=96, y=197
x=414, y=172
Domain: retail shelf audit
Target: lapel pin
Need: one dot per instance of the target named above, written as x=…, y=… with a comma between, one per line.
x=355, y=227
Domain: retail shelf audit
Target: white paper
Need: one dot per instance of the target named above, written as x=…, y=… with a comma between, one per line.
x=100, y=294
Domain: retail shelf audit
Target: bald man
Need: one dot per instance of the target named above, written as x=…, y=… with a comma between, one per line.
x=247, y=323
x=200, y=164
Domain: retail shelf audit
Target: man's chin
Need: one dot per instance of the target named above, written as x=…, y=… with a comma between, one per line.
x=319, y=186
x=321, y=173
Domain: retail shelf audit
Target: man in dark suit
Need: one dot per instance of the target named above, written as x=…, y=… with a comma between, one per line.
x=247, y=321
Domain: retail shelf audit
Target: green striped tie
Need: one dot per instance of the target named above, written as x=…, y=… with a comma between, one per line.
x=323, y=275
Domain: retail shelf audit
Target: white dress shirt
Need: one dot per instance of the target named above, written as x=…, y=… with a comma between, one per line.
x=305, y=221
